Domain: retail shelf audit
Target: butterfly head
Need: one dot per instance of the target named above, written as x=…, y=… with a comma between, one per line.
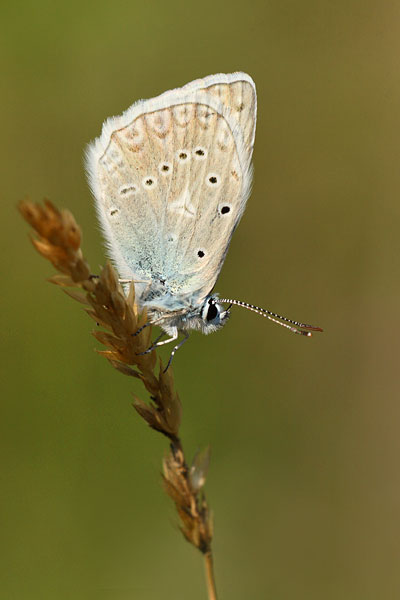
x=213, y=315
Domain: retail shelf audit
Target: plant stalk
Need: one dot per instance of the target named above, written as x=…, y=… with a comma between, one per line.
x=210, y=578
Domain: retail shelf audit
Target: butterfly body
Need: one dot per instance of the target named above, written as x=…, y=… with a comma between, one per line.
x=171, y=177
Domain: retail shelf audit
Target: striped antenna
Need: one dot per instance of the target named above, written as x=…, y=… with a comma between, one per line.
x=294, y=326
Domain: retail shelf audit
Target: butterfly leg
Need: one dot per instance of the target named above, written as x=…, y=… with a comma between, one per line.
x=173, y=337
x=153, y=345
x=175, y=349
x=141, y=329
x=156, y=343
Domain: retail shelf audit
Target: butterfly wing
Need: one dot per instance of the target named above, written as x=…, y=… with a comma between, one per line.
x=171, y=177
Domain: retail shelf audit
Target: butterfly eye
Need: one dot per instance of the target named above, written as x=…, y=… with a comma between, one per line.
x=212, y=311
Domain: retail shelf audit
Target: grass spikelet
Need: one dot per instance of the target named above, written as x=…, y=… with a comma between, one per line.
x=58, y=239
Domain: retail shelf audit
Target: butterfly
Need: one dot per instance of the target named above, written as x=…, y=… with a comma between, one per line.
x=171, y=177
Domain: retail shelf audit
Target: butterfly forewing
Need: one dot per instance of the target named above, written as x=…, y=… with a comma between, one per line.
x=240, y=98
x=171, y=179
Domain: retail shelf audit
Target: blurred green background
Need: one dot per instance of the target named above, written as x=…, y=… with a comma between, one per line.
x=304, y=479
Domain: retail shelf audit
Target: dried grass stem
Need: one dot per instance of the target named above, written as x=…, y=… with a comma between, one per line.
x=59, y=239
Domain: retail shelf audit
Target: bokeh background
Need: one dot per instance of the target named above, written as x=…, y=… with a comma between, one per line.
x=304, y=479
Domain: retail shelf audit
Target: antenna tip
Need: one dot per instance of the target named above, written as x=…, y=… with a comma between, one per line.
x=309, y=334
